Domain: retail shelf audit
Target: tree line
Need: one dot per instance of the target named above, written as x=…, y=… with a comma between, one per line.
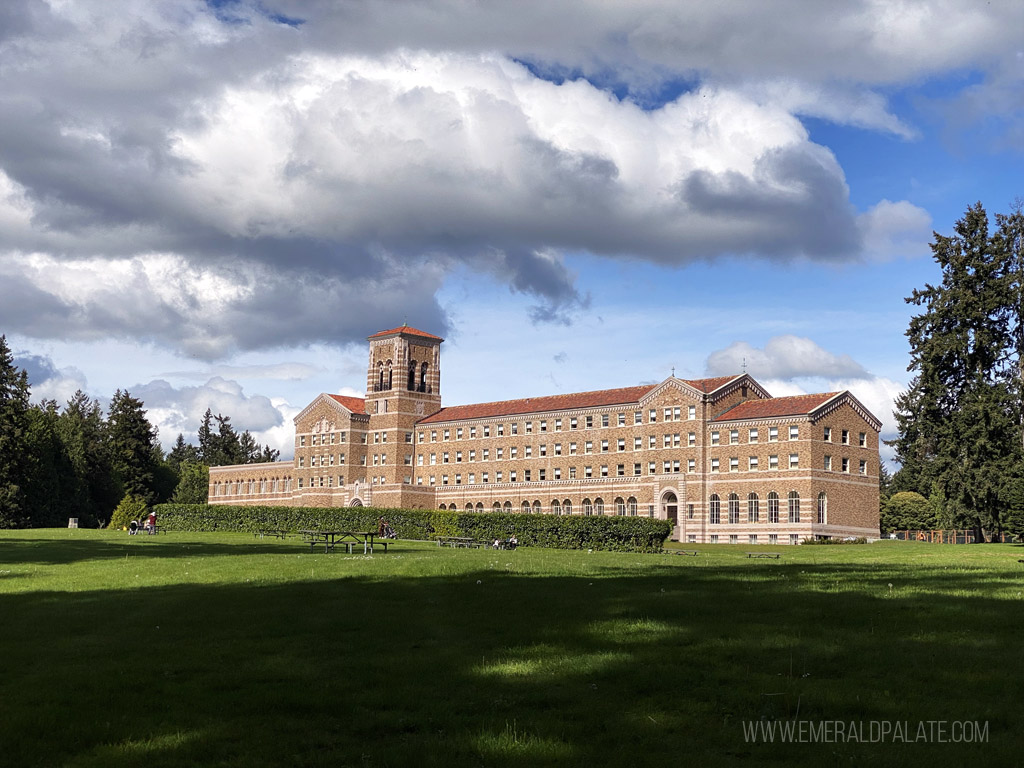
x=961, y=422
x=74, y=460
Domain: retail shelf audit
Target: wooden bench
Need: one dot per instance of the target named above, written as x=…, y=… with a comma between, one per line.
x=772, y=555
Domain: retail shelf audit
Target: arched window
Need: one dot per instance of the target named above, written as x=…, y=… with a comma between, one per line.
x=715, y=510
x=773, y=507
x=423, y=378
x=620, y=506
x=526, y=507
x=479, y=506
x=598, y=506
x=753, y=508
x=734, y=508
x=822, y=508
x=443, y=507
x=507, y=507
x=496, y=506
x=794, y=507
x=631, y=506
x=469, y=507
x=411, y=383
x=536, y=508
x=380, y=377
x=588, y=508
x=389, y=372
x=566, y=507
x=556, y=508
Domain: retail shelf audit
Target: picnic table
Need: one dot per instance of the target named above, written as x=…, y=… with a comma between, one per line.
x=275, y=533
x=773, y=555
x=348, y=539
x=687, y=552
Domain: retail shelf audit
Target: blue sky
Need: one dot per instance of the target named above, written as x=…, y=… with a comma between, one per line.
x=213, y=204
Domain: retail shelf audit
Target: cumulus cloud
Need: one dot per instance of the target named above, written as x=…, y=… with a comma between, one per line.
x=222, y=177
x=783, y=357
x=47, y=381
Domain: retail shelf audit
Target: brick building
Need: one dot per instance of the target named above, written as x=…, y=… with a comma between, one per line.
x=720, y=457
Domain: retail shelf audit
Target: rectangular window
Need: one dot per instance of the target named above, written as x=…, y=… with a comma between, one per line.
x=734, y=538
x=752, y=436
x=588, y=471
x=794, y=460
x=444, y=479
x=408, y=437
x=604, y=419
x=472, y=455
x=622, y=419
x=604, y=470
x=499, y=452
x=794, y=433
x=652, y=416
x=828, y=463
x=472, y=431
x=676, y=413
x=572, y=473
x=604, y=446
x=572, y=449
x=734, y=464
x=714, y=465
x=486, y=454
x=483, y=477
x=666, y=441
x=542, y=450
x=863, y=467
x=734, y=437
x=512, y=476
x=773, y=434
x=458, y=457
x=714, y=537
x=529, y=427
x=472, y=478
x=637, y=443
x=543, y=425
x=667, y=414
x=666, y=467
x=588, y=447
x=447, y=435
x=433, y=479
x=540, y=474
x=558, y=473
x=794, y=538
x=513, y=452
x=572, y=423
x=589, y=422
x=752, y=464
x=651, y=442
x=513, y=429
x=621, y=444
x=675, y=466
x=827, y=437
x=444, y=457
x=846, y=464
x=846, y=437
x=652, y=467
x=499, y=430
x=691, y=465
x=638, y=417
x=773, y=538
x=497, y=477
x=752, y=539
x=487, y=430
x=773, y=462
x=691, y=412
x=433, y=435
x=715, y=438
x=558, y=425
x=620, y=470
x=558, y=449
x=863, y=439
x=637, y=468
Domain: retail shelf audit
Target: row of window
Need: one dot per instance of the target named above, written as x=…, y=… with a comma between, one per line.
x=622, y=507
x=753, y=506
x=264, y=485
x=773, y=538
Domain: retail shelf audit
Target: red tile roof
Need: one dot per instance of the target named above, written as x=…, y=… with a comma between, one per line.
x=540, y=404
x=797, y=405
x=406, y=329
x=709, y=385
x=354, y=404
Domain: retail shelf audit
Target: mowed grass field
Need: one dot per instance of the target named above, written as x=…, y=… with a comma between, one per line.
x=224, y=650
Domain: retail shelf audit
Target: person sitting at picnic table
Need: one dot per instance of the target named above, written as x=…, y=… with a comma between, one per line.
x=151, y=523
x=512, y=542
x=380, y=527
x=497, y=544
x=133, y=527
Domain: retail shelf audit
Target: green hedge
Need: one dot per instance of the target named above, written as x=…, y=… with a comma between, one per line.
x=621, y=534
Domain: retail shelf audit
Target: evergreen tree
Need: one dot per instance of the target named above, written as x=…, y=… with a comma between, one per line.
x=132, y=443
x=53, y=491
x=84, y=434
x=14, y=406
x=959, y=420
x=181, y=452
x=206, y=438
x=193, y=487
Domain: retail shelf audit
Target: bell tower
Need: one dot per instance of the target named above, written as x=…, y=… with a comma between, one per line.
x=403, y=385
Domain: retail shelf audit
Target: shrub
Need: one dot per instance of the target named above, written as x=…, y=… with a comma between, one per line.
x=908, y=511
x=130, y=508
x=624, y=534
x=848, y=540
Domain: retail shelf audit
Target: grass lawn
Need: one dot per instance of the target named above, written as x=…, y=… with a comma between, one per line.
x=223, y=650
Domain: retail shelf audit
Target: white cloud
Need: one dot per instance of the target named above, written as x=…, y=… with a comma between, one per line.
x=783, y=357
x=895, y=230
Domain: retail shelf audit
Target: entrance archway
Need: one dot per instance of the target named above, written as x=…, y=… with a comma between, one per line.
x=355, y=503
x=670, y=506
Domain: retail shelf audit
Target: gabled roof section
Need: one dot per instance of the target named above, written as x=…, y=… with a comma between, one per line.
x=406, y=329
x=710, y=385
x=797, y=405
x=354, y=404
x=567, y=402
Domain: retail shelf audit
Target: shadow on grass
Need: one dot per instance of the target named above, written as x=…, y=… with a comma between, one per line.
x=490, y=668
x=42, y=551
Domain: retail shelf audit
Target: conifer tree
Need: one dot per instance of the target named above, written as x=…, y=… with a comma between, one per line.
x=959, y=420
x=132, y=443
x=14, y=404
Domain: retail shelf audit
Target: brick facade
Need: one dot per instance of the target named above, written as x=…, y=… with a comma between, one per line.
x=720, y=457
